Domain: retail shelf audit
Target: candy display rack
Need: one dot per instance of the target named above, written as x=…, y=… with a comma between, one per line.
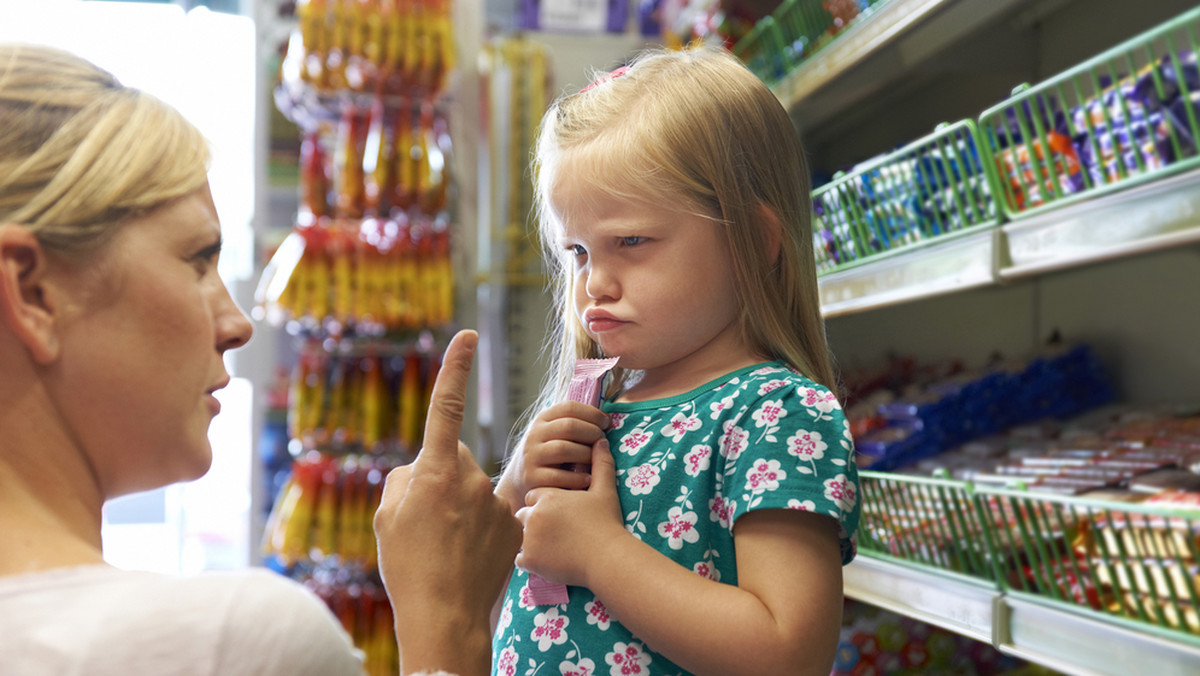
x=363, y=284
x=779, y=42
x=932, y=189
x=1052, y=579
x=1120, y=119
x=1063, y=581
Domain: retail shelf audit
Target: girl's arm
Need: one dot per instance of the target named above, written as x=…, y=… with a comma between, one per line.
x=782, y=618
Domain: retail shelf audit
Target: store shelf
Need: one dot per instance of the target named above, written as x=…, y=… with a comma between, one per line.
x=1076, y=644
x=956, y=603
x=1155, y=215
x=893, y=38
x=1061, y=639
x=959, y=263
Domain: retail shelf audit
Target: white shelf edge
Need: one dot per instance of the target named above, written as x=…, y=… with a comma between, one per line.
x=961, y=606
x=851, y=47
x=944, y=267
x=1062, y=639
x=1159, y=214
x=1073, y=643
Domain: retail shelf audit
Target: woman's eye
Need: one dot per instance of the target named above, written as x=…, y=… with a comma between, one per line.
x=204, y=259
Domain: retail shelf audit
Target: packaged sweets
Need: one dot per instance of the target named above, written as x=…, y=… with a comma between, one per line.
x=587, y=386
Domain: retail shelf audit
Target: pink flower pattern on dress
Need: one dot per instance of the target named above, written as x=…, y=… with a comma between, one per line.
x=584, y=667
x=627, y=659
x=550, y=628
x=616, y=420
x=717, y=406
x=721, y=511
x=696, y=461
x=525, y=602
x=806, y=445
x=634, y=441
x=507, y=663
x=802, y=505
x=842, y=491
x=768, y=414
x=642, y=479
x=733, y=441
x=680, y=527
x=822, y=400
x=764, y=476
x=597, y=614
x=706, y=569
x=680, y=425
x=770, y=386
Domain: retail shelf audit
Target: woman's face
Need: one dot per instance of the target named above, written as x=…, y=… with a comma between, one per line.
x=142, y=346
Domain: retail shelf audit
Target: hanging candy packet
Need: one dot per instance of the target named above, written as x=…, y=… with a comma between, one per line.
x=587, y=386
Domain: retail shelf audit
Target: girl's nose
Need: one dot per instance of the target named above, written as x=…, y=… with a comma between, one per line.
x=601, y=282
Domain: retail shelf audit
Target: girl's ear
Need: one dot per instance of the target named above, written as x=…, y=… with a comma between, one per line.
x=772, y=232
x=24, y=305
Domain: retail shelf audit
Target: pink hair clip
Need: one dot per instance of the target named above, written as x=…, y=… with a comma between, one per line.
x=606, y=77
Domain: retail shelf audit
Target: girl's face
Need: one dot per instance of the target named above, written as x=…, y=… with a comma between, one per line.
x=653, y=286
x=142, y=345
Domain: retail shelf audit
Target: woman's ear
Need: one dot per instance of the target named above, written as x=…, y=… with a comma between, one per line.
x=24, y=305
x=772, y=232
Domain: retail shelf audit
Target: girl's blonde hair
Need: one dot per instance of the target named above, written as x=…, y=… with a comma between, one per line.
x=696, y=129
x=80, y=153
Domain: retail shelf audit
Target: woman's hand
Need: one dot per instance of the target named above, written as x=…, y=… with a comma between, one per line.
x=563, y=528
x=446, y=541
x=559, y=436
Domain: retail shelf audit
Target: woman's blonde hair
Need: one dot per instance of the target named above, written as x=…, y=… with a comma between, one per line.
x=80, y=152
x=696, y=129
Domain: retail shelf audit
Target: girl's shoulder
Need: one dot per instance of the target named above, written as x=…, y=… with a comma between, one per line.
x=767, y=380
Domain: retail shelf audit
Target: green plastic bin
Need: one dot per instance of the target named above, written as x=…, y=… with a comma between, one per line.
x=1124, y=117
x=1131, y=563
x=930, y=190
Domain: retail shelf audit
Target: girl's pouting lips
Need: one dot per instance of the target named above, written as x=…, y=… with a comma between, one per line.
x=599, y=321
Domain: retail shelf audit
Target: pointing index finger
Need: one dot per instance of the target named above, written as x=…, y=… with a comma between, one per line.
x=443, y=423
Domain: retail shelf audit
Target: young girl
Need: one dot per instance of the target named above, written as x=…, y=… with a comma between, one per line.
x=711, y=531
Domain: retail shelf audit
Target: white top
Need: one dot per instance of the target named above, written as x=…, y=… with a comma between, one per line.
x=101, y=621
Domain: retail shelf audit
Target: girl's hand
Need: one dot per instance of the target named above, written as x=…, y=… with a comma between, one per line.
x=563, y=528
x=563, y=433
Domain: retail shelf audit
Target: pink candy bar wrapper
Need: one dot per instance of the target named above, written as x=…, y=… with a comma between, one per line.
x=586, y=386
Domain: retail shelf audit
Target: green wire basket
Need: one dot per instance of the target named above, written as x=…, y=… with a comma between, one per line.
x=1122, y=118
x=796, y=30
x=932, y=189
x=1133, y=563
x=926, y=523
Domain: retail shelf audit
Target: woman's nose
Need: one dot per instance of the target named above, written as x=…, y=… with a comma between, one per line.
x=233, y=326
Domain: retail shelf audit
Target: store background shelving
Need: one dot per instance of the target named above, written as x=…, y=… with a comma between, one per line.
x=1120, y=271
x=914, y=64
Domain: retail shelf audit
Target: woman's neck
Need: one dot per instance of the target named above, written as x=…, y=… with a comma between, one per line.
x=50, y=504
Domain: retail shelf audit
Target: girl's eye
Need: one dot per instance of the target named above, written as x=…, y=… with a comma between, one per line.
x=577, y=250
x=632, y=240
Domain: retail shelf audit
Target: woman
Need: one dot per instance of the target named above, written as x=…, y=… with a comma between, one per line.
x=113, y=323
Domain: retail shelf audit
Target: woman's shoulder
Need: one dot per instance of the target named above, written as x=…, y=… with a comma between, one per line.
x=239, y=618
